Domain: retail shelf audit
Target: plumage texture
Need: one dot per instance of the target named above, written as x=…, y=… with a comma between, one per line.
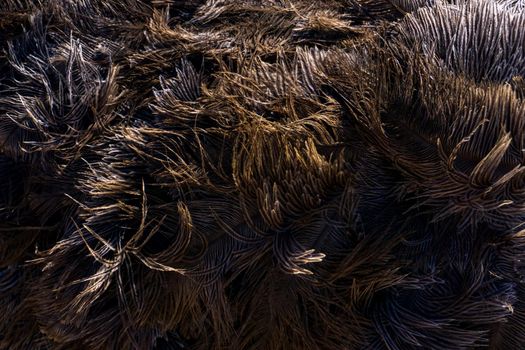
x=341, y=174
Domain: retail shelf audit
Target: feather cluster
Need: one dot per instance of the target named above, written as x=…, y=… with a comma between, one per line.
x=262, y=174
